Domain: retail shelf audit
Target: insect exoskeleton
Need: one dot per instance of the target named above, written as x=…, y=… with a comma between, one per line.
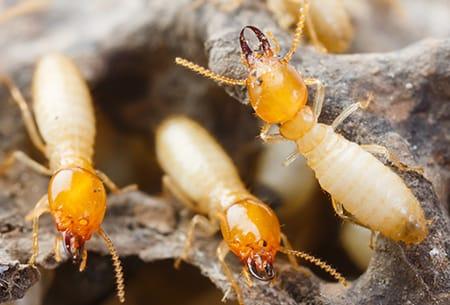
x=363, y=189
x=203, y=177
x=64, y=132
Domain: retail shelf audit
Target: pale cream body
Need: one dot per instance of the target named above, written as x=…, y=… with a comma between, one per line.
x=198, y=165
x=376, y=196
x=64, y=112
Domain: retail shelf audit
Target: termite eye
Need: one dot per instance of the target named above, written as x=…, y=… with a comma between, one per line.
x=264, y=243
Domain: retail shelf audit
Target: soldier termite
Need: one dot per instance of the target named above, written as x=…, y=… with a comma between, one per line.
x=76, y=195
x=362, y=188
x=202, y=176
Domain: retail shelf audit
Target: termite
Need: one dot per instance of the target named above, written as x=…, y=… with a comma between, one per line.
x=203, y=177
x=76, y=196
x=328, y=23
x=362, y=188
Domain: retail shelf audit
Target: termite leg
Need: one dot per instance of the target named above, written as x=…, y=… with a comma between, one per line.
x=288, y=245
x=276, y=48
x=291, y=158
x=247, y=277
x=23, y=158
x=171, y=188
x=378, y=149
x=267, y=137
x=83, y=263
x=312, y=34
x=350, y=109
x=222, y=251
x=209, y=229
x=373, y=237
x=57, y=248
x=112, y=186
x=298, y=31
x=26, y=113
x=40, y=208
x=340, y=211
x=319, y=97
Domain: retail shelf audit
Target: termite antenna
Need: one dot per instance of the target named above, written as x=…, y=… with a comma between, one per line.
x=26, y=113
x=318, y=262
x=209, y=74
x=304, y=7
x=117, y=266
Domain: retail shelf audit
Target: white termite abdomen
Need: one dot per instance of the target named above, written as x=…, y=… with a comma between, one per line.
x=370, y=191
x=64, y=112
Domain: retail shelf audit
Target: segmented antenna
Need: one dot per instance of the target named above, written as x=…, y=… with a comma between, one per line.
x=318, y=262
x=120, y=286
x=208, y=73
x=298, y=30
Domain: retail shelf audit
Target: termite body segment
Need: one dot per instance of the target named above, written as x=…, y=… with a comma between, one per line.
x=202, y=176
x=76, y=196
x=363, y=189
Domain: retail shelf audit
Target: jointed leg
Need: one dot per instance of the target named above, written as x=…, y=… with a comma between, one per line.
x=26, y=113
x=350, y=109
x=270, y=137
x=222, y=251
x=112, y=186
x=298, y=30
x=209, y=228
x=210, y=74
x=378, y=149
x=83, y=263
x=40, y=208
x=319, y=97
x=291, y=158
x=339, y=209
x=170, y=187
x=23, y=158
x=57, y=248
x=247, y=277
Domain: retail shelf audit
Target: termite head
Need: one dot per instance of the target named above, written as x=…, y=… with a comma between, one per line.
x=252, y=232
x=77, y=200
x=276, y=90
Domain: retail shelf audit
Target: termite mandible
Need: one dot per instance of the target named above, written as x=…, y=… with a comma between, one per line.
x=203, y=177
x=362, y=188
x=76, y=195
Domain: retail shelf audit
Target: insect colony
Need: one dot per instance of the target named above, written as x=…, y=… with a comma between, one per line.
x=60, y=122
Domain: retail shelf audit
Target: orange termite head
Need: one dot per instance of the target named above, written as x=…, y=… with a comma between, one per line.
x=77, y=200
x=252, y=232
x=276, y=90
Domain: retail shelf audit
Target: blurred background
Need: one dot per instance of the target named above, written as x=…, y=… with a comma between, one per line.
x=140, y=88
